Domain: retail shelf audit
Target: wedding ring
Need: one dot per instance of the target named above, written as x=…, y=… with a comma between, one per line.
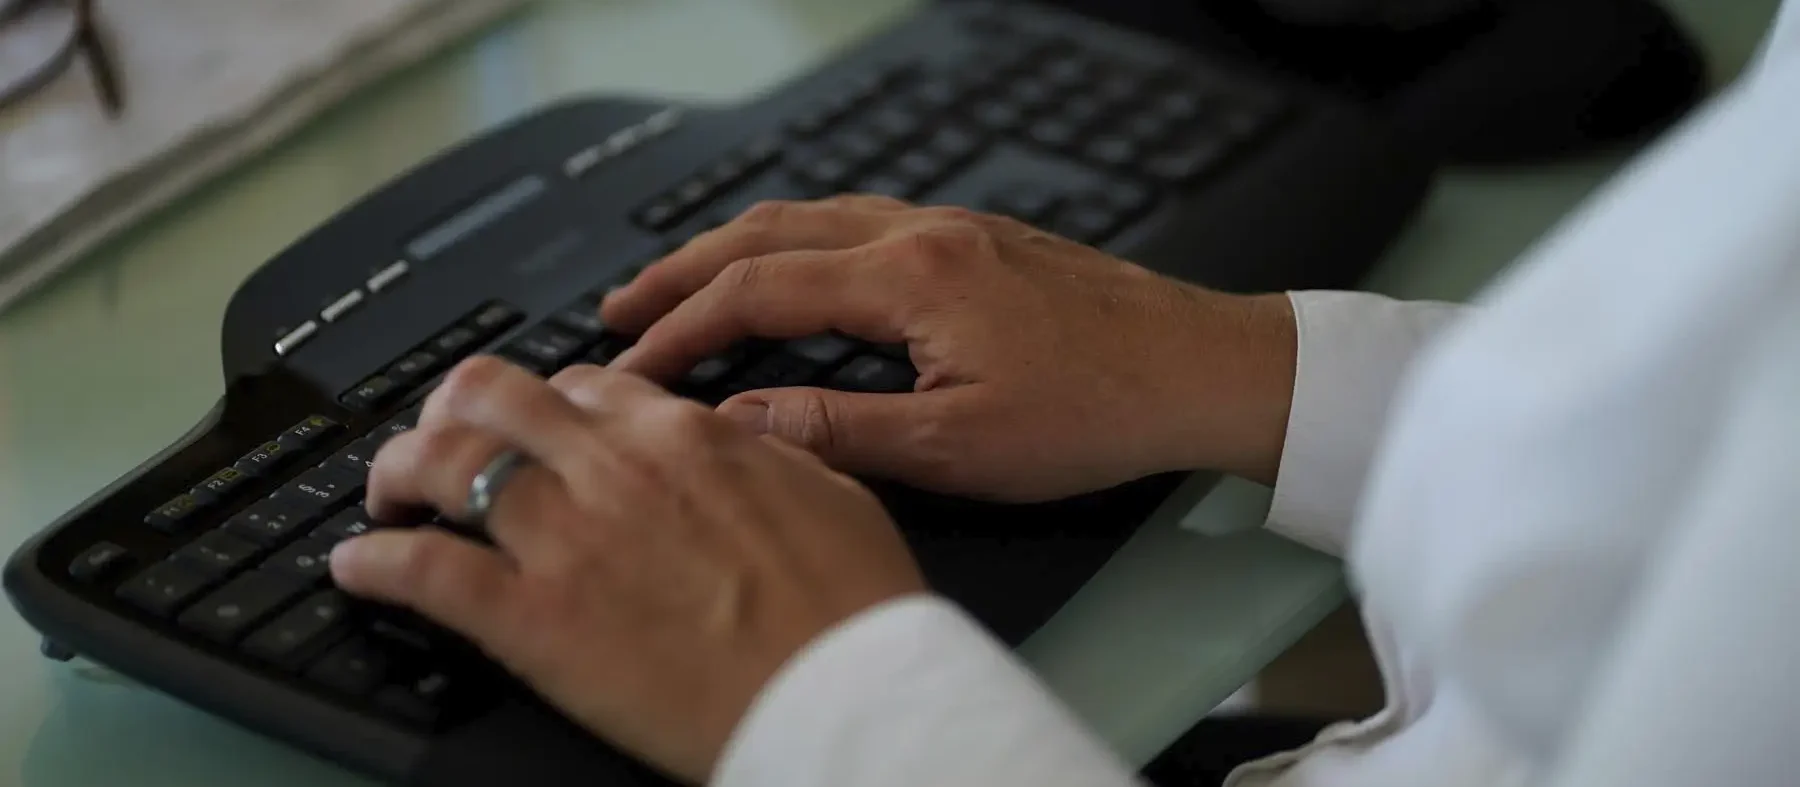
x=488, y=483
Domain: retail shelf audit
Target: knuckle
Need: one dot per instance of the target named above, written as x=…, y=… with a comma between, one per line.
x=818, y=427
x=743, y=274
x=468, y=382
x=769, y=212
x=942, y=251
x=689, y=423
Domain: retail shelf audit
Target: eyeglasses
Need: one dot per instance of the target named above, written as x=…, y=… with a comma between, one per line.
x=42, y=39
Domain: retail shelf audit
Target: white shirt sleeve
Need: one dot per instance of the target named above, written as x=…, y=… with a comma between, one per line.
x=912, y=692
x=1354, y=350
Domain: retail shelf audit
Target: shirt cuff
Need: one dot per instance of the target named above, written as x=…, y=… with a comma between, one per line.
x=1353, y=353
x=911, y=692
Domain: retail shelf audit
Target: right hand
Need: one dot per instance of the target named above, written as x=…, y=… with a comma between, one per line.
x=1046, y=368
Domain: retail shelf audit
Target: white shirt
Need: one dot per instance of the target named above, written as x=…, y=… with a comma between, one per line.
x=1569, y=513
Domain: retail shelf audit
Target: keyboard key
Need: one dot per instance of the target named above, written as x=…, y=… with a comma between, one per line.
x=353, y=668
x=1146, y=129
x=1053, y=133
x=1118, y=89
x=308, y=559
x=356, y=458
x=828, y=172
x=1126, y=197
x=545, y=346
x=267, y=522
x=217, y=553
x=1068, y=72
x=219, y=486
x=164, y=587
x=421, y=701
x=348, y=523
x=371, y=394
x=998, y=116
x=1081, y=112
x=610, y=348
x=859, y=146
x=1031, y=95
x=659, y=215
x=172, y=516
x=290, y=637
x=825, y=349
x=776, y=370
x=1029, y=203
x=895, y=186
x=897, y=351
x=870, y=374
x=582, y=319
x=936, y=94
x=413, y=368
x=310, y=432
x=920, y=166
x=494, y=318
x=264, y=459
x=1113, y=151
x=895, y=123
x=1188, y=161
x=242, y=603
x=1180, y=106
x=1086, y=222
x=956, y=144
x=709, y=372
x=317, y=490
x=455, y=342
x=99, y=562
x=403, y=421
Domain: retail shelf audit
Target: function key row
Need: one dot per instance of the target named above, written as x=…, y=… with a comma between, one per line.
x=219, y=488
x=415, y=366
x=705, y=185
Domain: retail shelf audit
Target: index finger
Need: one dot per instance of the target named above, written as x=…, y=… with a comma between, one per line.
x=767, y=228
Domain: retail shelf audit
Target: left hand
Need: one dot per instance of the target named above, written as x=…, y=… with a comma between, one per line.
x=655, y=564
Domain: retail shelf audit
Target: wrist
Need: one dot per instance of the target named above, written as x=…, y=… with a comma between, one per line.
x=1232, y=385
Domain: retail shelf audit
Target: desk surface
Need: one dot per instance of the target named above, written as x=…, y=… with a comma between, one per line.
x=116, y=359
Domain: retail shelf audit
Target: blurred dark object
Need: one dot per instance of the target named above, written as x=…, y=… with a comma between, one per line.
x=1497, y=81
x=1208, y=752
x=48, y=37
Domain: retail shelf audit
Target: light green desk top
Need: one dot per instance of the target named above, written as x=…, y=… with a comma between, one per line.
x=118, y=358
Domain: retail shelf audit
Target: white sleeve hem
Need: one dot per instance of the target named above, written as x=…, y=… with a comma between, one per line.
x=1354, y=350
x=911, y=692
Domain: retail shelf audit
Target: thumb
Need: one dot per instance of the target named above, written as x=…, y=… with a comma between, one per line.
x=857, y=433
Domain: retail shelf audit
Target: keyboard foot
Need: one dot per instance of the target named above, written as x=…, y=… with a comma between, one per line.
x=55, y=651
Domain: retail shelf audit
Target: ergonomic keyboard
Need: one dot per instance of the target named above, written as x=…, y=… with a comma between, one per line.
x=203, y=572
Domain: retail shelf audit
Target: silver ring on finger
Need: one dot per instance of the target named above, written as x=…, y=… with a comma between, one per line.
x=487, y=484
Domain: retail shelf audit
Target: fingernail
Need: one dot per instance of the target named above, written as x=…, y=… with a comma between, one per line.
x=753, y=415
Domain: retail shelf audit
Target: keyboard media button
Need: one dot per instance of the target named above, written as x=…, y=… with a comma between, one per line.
x=219, y=486
x=164, y=587
x=494, y=318
x=353, y=668
x=174, y=515
x=228, y=612
x=99, y=562
x=348, y=523
x=267, y=522
x=371, y=394
x=416, y=366
x=455, y=342
x=290, y=637
x=264, y=459
x=217, y=553
x=307, y=559
x=871, y=374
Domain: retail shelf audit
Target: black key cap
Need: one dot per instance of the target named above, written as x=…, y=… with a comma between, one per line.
x=313, y=623
x=920, y=166
x=582, y=319
x=895, y=123
x=217, y=553
x=307, y=559
x=870, y=374
x=455, y=342
x=827, y=172
x=1146, y=129
x=1086, y=222
x=1029, y=203
x=955, y=143
x=371, y=393
x=1118, y=89
x=999, y=116
x=317, y=490
x=860, y=146
x=693, y=192
x=895, y=186
x=1126, y=197
x=242, y=603
x=162, y=588
x=1053, y=133
x=348, y=523
x=1068, y=72
x=776, y=370
x=897, y=351
x=420, y=701
x=545, y=346
x=659, y=215
x=1188, y=161
x=825, y=349
x=402, y=421
x=310, y=432
x=494, y=318
x=264, y=459
x=1082, y=112
x=267, y=522
x=99, y=562
x=354, y=667
x=936, y=95
x=356, y=458
x=1180, y=106
x=709, y=372
x=172, y=516
x=609, y=348
x=219, y=486
x=1031, y=95
x=413, y=368
x=759, y=153
x=1113, y=151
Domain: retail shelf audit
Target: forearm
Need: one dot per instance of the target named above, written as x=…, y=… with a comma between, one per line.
x=912, y=693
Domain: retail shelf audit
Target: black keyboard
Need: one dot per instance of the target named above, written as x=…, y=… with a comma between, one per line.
x=203, y=572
